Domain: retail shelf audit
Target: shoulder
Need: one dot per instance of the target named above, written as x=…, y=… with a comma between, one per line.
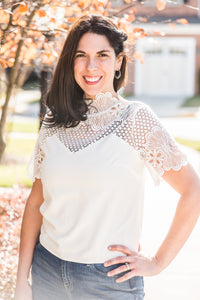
x=136, y=104
x=140, y=111
x=48, y=129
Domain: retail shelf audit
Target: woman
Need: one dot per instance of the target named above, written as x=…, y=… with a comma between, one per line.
x=86, y=202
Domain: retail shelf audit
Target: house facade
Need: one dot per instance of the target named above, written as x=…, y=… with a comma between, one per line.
x=170, y=51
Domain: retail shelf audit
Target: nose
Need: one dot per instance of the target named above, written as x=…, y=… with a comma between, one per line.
x=91, y=64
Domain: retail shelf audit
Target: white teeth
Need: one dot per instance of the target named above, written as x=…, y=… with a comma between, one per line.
x=92, y=79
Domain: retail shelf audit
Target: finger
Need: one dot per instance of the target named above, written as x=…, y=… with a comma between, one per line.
x=119, y=270
x=119, y=260
x=127, y=276
x=122, y=249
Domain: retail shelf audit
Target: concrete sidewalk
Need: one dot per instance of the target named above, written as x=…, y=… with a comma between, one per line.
x=181, y=279
x=169, y=111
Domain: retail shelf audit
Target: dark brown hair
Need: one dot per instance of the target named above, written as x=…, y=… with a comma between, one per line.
x=65, y=97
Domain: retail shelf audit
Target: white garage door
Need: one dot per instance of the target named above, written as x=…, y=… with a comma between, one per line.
x=169, y=67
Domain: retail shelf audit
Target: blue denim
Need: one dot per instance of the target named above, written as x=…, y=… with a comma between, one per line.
x=56, y=279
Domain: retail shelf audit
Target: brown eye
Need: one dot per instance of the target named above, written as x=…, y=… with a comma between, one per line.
x=103, y=55
x=80, y=55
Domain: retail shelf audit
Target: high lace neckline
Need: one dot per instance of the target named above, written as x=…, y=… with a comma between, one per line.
x=102, y=102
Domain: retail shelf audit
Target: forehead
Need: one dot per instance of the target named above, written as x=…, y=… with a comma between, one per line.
x=94, y=42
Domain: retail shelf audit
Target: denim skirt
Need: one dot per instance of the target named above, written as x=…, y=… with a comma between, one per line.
x=57, y=279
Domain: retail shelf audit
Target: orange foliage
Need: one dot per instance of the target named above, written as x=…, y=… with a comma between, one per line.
x=47, y=58
x=139, y=32
x=130, y=18
x=84, y=3
x=21, y=22
x=41, y=13
x=182, y=21
x=72, y=19
x=139, y=56
x=134, y=10
x=29, y=52
x=64, y=26
x=99, y=3
x=52, y=20
x=69, y=11
x=4, y=16
x=36, y=34
x=172, y=25
x=57, y=34
x=3, y=63
x=23, y=8
x=161, y=4
x=105, y=13
x=142, y=19
x=159, y=33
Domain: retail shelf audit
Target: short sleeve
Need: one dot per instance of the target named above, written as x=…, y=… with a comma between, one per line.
x=34, y=165
x=156, y=146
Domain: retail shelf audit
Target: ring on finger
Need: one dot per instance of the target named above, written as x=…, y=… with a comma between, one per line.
x=127, y=265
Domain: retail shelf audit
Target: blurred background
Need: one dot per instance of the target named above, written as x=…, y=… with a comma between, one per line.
x=163, y=71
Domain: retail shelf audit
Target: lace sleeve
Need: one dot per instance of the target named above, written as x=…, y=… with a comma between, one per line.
x=34, y=165
x=156, y=146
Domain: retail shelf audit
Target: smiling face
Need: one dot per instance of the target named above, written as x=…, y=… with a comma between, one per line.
x=95, y=64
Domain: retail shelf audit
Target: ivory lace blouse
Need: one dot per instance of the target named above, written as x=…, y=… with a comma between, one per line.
x=93, y=177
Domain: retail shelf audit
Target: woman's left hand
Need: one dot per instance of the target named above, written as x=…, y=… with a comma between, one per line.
x=135, y=263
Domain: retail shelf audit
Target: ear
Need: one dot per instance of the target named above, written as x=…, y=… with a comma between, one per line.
x=118, y=62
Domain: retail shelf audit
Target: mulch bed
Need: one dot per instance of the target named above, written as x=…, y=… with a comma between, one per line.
x=12, y=202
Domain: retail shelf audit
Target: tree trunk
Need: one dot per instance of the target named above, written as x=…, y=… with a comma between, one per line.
x=11, y=82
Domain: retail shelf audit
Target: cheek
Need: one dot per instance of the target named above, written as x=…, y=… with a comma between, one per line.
x=107, y=67
x=77, y=69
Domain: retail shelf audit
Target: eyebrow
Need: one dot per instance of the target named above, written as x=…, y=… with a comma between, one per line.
x=99, y=52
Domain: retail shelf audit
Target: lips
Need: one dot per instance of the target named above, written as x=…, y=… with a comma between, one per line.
x=92, y=79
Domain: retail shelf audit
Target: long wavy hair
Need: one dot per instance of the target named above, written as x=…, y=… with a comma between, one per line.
x=65, y=98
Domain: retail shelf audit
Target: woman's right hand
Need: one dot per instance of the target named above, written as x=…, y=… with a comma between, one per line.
x=23, y=292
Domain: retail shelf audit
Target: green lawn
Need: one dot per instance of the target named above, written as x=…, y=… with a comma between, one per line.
x=22, y=148
x=22, y=127
x=11, y=174
x=17, y=155
x=192, y=102
x=18, y=152
x=193, y=144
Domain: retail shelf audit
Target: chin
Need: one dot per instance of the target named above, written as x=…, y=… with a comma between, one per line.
x=92, y=94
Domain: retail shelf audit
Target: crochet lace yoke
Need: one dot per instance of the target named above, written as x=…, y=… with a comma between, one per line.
x=132, y=121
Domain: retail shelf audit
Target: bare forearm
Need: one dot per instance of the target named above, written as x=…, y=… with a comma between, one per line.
x=184, y=221
x=31, y=226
